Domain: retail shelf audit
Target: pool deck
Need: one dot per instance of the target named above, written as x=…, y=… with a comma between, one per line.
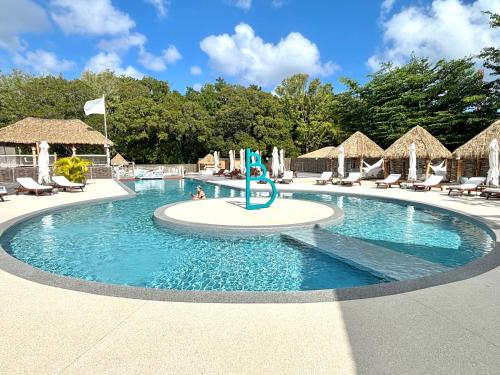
x=447, y=329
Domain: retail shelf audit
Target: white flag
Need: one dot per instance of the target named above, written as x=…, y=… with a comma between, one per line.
x=94, y=106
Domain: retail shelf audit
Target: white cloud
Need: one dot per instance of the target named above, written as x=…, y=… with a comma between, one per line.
x=43, y=62
x=161, y=7
x=445, y=29
x=252, y=61
x=112, y=62
x=387, y=6
x=195, y=70
x=122, y=43
x=197, y=86
x=171, y=54
x=159, y=63
x=277, y=3
x=17, y=17
x=243, y=4
x=90, y=17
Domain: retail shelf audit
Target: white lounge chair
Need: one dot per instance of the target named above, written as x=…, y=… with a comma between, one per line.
x=287, y=177
x=372, y=170
x=471, y=185
x=491, y=193
x=433, y=181
x=62, y=182
x=324, y=178
x=392, y=179
x=27, y=184
x=3, y=191
x=353, y=178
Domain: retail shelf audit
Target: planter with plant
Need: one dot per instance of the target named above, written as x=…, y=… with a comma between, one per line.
x=73, y=168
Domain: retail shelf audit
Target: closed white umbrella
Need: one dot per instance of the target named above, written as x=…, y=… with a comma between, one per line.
x=217, y=161
x=412, y=171
x=493, y=159
x=231, y=160
x=242, y=161
x=43, y=163
x=340, y=169
x=275, y=164
x=282, y=161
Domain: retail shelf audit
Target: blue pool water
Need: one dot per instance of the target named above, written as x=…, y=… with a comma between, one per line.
x=119, y=243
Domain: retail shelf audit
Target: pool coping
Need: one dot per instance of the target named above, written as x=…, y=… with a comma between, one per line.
x=18, y=268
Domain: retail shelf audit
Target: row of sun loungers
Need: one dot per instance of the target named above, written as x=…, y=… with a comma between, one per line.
x=28, y=185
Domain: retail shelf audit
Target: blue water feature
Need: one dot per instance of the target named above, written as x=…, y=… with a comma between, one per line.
x=119, y=243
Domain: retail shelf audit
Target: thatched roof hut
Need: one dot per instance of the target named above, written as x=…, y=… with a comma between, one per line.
x=118, y=160
x=477, y=147
x=208, y=159
x=323, y=153
x=66, y=132
x=428, y=147
x=359, y=146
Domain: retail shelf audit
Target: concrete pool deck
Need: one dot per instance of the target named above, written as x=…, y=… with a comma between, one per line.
x=451, y=328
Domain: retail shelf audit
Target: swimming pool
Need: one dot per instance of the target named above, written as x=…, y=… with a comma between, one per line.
x=119, y=243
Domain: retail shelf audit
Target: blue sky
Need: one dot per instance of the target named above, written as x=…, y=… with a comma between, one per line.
x=190, y=42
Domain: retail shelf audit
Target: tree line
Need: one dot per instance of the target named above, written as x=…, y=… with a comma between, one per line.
x=151, y=123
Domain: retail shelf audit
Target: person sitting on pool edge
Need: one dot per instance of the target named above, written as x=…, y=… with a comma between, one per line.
x=200, y=194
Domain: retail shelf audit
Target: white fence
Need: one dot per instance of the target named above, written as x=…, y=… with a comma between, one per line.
x=26, y=160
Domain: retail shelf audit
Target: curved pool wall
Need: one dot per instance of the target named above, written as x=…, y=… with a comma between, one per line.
x=487, y=262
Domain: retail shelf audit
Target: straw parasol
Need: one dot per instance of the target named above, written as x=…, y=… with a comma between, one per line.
x=323, y=153
x=208, y=159
x=118, y=160
x=359, y=146
x=54, y=131
x=426, y=147
x=477, y=147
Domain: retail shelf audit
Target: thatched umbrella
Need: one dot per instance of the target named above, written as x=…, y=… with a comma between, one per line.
x=477, y=148
x=208, y=159
x=118, y=161
x=323, y=153
x=359, y=146
x=426, y=146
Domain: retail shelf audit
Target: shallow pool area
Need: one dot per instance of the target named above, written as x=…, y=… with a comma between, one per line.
x=119, y=243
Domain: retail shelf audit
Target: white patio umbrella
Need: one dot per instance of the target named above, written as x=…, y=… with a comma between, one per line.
x=43, y=163
x=242, y=161
x=217, y=161
x=493, y=172
x=340, y=169
x=231, y=160
x=275, y=163
x=412, y=171
x=282, y=161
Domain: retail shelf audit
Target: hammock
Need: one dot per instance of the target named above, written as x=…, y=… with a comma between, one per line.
x=439, y=170
x=372, y=170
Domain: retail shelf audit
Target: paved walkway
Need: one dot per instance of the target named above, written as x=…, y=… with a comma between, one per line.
x=449, y=329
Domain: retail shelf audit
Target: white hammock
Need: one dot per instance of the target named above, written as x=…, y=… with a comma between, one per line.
x=439, y=170
x=372, y=170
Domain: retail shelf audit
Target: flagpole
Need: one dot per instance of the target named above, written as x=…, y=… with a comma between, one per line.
x=106, y=146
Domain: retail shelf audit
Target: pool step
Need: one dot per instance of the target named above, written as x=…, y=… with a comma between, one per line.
x=377, y=260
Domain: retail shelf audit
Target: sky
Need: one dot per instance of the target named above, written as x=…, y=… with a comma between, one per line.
x=191, y=42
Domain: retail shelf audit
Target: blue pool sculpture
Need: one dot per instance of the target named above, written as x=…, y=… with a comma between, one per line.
x=257, y=164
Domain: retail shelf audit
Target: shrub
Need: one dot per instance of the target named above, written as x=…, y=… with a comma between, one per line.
x=73, y=168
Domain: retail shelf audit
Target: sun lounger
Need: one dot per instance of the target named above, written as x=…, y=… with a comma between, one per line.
x=287, y=177
x=471, y=185
x=433, y=181
x=353, y=178
x=324, y=178
x=491, y=193
x=3, y=191
x=392, y=179
x=62, y=182
x=28, y=185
